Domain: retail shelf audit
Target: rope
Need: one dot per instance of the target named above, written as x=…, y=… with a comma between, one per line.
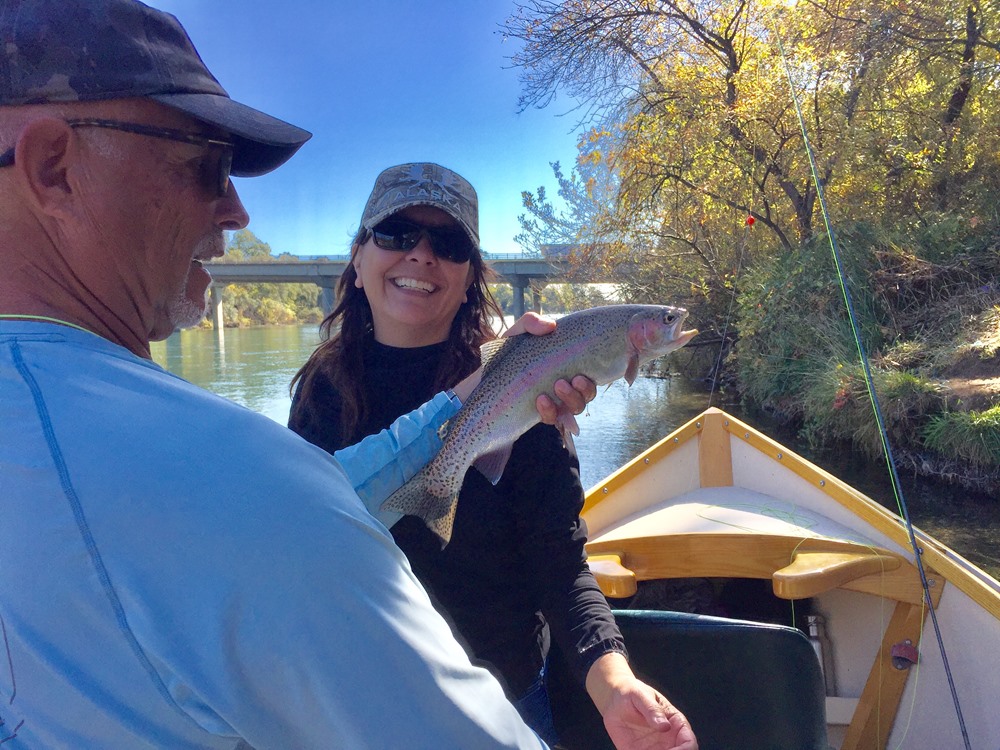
x=886, y=447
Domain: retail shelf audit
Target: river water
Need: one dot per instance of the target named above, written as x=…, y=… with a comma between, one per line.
x=253, y=366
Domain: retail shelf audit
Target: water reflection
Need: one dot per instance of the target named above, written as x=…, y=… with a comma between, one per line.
x=623, y=421
x=250, y=366
x=254, y=366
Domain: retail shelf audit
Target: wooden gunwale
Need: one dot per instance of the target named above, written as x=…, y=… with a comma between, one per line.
x=936, y=557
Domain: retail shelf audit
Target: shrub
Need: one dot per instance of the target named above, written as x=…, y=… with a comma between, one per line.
x=972, y=436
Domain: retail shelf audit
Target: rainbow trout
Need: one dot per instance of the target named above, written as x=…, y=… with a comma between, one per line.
x=603, y=343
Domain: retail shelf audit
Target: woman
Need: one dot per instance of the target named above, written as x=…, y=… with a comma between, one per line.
x=413, y=309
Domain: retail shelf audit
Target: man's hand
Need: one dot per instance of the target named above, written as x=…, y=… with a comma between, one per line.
x=567, y=399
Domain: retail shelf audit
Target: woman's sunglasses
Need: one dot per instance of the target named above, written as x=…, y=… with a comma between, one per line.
x=451, y=244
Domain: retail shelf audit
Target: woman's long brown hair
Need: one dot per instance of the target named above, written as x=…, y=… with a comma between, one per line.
x=343, y=332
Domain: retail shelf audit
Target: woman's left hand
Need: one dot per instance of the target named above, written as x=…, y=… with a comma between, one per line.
x=636, y=716
x=640, y=718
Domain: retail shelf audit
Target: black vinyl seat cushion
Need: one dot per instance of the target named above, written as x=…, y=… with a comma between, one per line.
x=743, y=685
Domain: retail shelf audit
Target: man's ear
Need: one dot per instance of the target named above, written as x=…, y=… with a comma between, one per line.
x=42, y=157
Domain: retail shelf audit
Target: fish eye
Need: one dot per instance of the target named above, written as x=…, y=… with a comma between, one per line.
x=670, y=317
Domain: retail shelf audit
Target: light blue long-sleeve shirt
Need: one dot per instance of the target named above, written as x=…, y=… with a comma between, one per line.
x=177, y=571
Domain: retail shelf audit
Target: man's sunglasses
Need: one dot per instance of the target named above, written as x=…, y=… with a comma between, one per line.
x=215, y=180
x=448, y=243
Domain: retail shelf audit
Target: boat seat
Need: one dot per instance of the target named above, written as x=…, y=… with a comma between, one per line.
x=743, y=685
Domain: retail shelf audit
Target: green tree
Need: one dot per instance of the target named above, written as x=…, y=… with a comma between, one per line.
x=690, y=112
x=265, y=304
x=243, y=245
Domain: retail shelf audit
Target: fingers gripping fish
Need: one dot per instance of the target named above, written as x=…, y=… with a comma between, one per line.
x=603, y=343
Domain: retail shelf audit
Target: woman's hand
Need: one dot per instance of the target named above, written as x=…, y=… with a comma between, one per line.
x=636, y=716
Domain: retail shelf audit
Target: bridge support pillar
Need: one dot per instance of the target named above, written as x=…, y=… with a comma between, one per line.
x=519, y=284
x=215, y=298
x=327, y=299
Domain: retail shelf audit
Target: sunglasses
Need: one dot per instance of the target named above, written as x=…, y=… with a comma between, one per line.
x=448, y=243
x=213, y=176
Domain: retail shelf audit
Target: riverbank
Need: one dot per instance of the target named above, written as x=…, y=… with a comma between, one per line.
x=945, y=428
x=926, y=312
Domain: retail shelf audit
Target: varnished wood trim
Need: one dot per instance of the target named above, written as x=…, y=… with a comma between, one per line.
x=715, y=457
x=757, y=555
x=879, y=702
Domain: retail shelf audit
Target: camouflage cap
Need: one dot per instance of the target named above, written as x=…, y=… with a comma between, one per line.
x=87, y=50
x=423, y=184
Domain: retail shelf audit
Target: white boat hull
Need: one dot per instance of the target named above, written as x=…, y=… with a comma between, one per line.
x=718, y=499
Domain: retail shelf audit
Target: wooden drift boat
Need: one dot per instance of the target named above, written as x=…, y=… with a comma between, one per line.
x=718, y=500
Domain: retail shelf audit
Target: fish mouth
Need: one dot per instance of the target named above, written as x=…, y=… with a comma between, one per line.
x=686, y=336
x=405, y=282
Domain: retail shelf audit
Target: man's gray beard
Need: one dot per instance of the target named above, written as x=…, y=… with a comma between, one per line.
x=184, y=313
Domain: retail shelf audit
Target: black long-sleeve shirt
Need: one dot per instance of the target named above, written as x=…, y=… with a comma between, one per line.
x=514, y=573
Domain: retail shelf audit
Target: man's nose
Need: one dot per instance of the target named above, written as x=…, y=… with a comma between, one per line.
x=230, y=212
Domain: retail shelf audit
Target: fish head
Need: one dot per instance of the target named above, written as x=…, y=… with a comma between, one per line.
x=657, y=331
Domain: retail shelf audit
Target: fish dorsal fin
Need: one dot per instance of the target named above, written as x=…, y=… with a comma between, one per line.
x=492, y=464
x=489, y=351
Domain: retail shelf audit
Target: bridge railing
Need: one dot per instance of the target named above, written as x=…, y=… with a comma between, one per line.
x=520, y=271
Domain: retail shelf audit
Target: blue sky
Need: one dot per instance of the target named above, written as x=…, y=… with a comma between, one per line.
x=378, y=83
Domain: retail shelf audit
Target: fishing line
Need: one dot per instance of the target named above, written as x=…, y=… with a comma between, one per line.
x=747, y=227
x=886, y=447
x=729, y=314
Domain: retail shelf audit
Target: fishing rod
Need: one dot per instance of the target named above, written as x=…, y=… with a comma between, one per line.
x=869, y=381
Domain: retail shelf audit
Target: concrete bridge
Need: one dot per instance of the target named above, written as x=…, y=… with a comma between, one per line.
x=520, y=272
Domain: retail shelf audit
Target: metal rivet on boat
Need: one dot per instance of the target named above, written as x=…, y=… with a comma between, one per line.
x=780, y=457
x=726, y=423
x=698, y=425
x=822, y=483
x=746, y=435
x=931, y=583
x=605, y=490
x=645, y=460
x=677, y=440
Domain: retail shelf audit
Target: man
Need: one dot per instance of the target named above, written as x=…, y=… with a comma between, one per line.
x=175, y=571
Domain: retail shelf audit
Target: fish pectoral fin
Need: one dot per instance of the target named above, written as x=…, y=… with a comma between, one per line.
x=492, y=464
x=567, y=425
x=632, y=370
x=567, y=438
